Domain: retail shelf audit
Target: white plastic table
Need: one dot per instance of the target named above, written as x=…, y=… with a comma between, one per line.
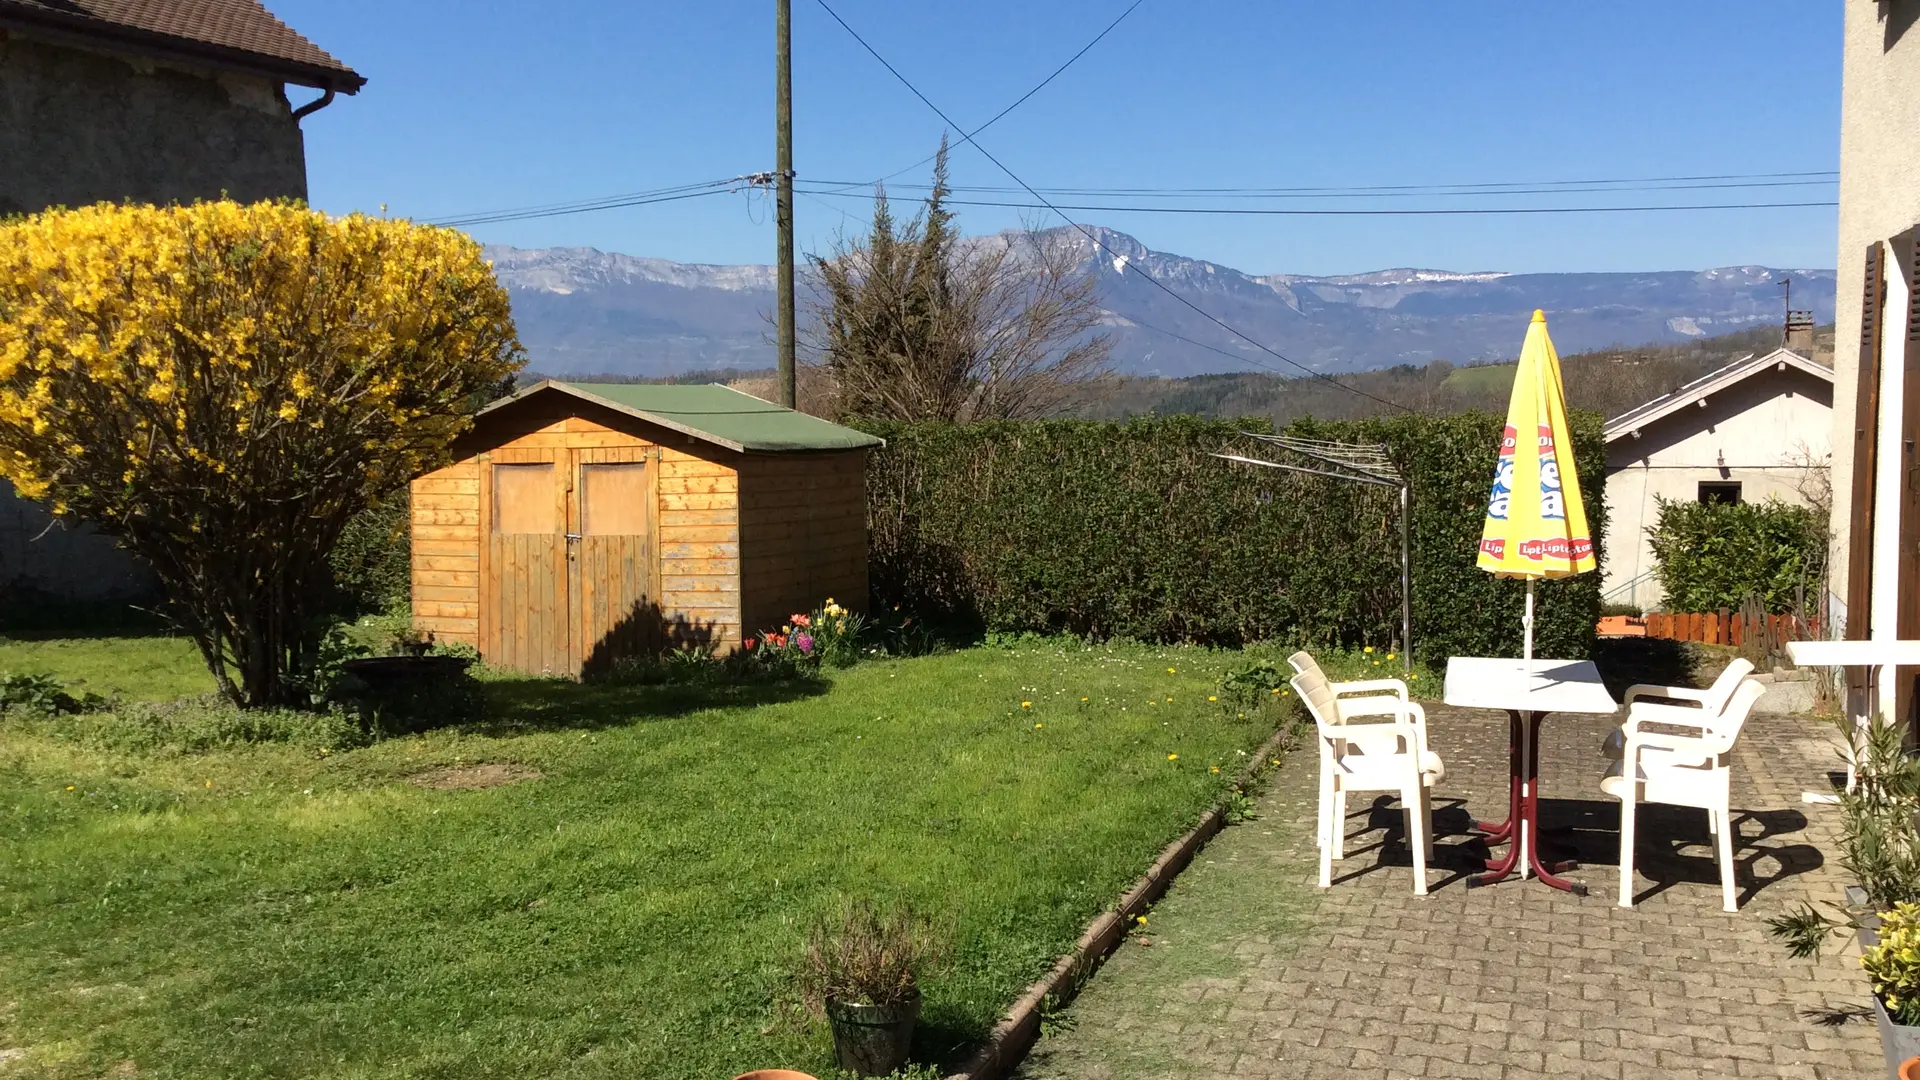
x=1877, y=655
x=1528, y=691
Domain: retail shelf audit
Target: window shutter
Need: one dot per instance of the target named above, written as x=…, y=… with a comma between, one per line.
x=1866, y=426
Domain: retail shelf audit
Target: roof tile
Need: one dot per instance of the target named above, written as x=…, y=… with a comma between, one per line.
x=241, y=26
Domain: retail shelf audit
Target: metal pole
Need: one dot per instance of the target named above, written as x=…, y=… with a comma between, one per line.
x=783, y=206
x=1406, y=578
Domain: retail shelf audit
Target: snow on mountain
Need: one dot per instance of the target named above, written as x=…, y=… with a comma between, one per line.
x=585, y=311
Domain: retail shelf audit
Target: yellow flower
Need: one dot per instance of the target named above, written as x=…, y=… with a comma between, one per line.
x=1275, y=761
x=69, y=787
x=1368, y=650
x=209, y=783
x=1216, y=769
x=1389, y=656
x=1026, y=704
x=1140, y=920
x=1173, y=757
x=1037, y=727
x=1276, y=690
x=1169, y=671
x=1376, y=663
x=1211, y=697
x=1083, y=699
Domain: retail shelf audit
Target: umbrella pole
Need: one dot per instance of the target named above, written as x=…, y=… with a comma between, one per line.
x=1526, y=621
x=1526, y=732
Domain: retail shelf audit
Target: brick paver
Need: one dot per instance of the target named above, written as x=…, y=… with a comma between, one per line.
x=1255, y=972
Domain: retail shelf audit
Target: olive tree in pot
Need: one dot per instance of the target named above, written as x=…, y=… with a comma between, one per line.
x=862, y=969
x=1880, y=847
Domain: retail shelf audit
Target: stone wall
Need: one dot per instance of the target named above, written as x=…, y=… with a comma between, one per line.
x=79, y=127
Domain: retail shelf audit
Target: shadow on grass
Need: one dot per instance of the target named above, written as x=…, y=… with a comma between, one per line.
x=522, y=705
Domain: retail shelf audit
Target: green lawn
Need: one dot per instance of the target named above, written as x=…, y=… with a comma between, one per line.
x=154, y=668
x=275, y=909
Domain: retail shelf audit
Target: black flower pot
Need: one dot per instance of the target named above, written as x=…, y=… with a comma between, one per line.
x=873, y=1040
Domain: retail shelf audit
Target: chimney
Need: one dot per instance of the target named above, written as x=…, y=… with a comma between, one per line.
x=1799, y=333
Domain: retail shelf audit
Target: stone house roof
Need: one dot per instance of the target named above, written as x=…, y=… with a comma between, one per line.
x=232, y=34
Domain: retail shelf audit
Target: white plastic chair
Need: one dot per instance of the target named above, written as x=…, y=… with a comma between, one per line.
x=1381, y=755
x=1713, y=699
x=1691, y=769
x=1379, y=697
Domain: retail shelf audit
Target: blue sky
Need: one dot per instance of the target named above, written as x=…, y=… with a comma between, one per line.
x=484, y=105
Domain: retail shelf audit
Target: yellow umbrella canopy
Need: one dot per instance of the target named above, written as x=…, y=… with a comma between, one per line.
x=1536, y=521
x=1536, y=524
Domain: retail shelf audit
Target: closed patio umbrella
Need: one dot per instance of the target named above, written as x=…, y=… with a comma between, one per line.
x=1536, y=523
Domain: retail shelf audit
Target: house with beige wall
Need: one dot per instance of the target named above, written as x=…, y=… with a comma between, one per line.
x=1758, y=429
x=1876, y=421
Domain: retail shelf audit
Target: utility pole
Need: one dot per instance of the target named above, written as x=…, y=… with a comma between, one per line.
x=783, y=205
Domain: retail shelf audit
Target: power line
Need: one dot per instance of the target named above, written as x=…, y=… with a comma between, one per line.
x=1437, y=191
x=1021, y=100
x=1267, y=211
x=610, y=202
x=1011, y=175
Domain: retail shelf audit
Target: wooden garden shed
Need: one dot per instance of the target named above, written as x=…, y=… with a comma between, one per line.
x=582, y=522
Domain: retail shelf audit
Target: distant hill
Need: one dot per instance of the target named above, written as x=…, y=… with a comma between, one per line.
x=585, y=311
x=1608, y=381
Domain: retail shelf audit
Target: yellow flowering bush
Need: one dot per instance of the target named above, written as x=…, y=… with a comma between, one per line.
x=221, y=387
x=1893, y=963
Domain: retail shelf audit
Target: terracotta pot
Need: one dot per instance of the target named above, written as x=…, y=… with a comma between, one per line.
x=774, y=1074
x=1910, y=1069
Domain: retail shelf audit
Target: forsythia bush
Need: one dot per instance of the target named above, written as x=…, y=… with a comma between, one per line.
x=221, y=387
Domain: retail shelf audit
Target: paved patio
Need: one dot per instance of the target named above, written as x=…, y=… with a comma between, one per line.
x=1254, y=972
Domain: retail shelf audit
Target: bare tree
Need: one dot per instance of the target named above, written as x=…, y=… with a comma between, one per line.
x=912, y=322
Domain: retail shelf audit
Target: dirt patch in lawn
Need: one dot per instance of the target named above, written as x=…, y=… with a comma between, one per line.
x=473, y=777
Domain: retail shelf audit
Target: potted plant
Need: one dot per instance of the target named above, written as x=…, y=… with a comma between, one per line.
x=1892, y=964
x=862, y=969
x=1880, y=847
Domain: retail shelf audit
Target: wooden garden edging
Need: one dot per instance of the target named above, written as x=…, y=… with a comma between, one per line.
x=1016, y=1032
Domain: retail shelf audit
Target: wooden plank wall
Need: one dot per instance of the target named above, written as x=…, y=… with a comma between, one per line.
x=700, y=542
x=803, y=534
x=446, y=552
x=699, y=521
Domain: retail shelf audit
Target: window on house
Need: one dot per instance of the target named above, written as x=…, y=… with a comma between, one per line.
x=1720, y=492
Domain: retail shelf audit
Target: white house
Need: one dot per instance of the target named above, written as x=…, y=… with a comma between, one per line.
x=1759, y=428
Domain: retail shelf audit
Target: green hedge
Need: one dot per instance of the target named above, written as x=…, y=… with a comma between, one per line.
x=372, y=563
x=1133, y=529
x=1714, y=555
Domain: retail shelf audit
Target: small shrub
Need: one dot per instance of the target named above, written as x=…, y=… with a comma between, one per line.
x=1714, y=555
x=1893, y=963
x=43, y=693
x=1879, y=843
x=865, y=954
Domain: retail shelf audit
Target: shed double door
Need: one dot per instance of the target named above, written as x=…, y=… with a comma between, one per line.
x=568, y=574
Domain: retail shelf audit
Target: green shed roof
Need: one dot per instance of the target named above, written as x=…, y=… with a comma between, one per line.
x=715, y=413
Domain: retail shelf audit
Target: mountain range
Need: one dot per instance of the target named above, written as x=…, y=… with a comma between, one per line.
x=582, y=311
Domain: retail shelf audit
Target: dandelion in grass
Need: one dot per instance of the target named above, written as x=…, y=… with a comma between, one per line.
x=1173, y=757
x=1140, y=920
x=1026, y=704
x=1037, y=727
x=1169, y=671
x=1389, y=656
x=1083, y=701
x=1215, y=769
x=69, y=787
